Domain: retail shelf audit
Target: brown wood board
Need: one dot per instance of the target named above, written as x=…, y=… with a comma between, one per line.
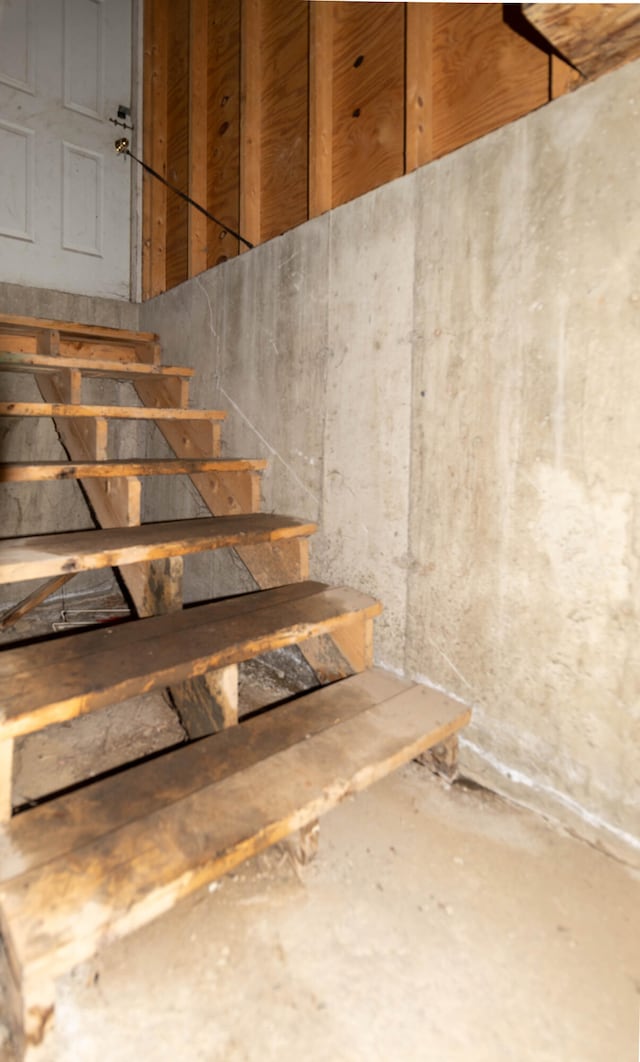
x=129, y=875
x=284, y=90
x=43, y=556
x=178, y=140
x=368, y=98
x=595, y=38
x=223, y=128
x=33, y=472
x=72, y=820
x=484, y=74
x=57, y=409
x=24, y=361
x=33, y=325
x=51, y=682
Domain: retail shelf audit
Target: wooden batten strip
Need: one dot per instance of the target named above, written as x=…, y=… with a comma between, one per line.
x=418, y=86
x=320, y=108
x=250, y=121
x=198, y=94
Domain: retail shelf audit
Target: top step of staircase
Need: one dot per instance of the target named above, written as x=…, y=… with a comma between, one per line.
x=69, y=338
x=71, y=330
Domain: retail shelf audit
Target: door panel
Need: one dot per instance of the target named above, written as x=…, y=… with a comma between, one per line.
x=65, y=66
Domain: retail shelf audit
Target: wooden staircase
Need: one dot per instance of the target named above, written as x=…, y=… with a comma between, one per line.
x=87, y=866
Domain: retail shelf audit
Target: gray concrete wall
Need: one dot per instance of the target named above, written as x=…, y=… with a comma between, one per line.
x=445, y=375
x=42, y=507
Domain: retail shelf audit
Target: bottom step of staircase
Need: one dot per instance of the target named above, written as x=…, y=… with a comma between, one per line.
x=91, y=866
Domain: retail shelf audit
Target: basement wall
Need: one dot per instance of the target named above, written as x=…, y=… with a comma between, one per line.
x=445, y=375
x=29, y=509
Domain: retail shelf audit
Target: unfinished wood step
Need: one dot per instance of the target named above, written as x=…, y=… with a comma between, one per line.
x=59, y=409
x=60, y=679
x=45, y=556
x=15, y=361
x=90, y=867
x=37, y=472
x=38, y=335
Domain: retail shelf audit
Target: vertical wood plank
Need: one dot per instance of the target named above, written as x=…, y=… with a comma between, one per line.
x=320, y=107
x=6, y=779
x=155, y=148
x=223, y=128
x=178, y=143
x=250, y=120
x=198, y=48
x=418, y=86
x=368, y=98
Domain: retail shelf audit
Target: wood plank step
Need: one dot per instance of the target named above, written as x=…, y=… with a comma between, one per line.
x=59, y=409
x=33, y=325
x=95, y=865
x=44, y=556
x=13, y=361
x=54, y=681
x=37, y=472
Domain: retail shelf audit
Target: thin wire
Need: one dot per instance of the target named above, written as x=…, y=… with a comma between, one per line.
x=187, y=198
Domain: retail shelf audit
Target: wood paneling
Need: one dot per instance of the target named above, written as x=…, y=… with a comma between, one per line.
x=273, y=111
x=484, y=74
x=368, y=97
x=178, y=143
x=284, y=122
x=223, y=128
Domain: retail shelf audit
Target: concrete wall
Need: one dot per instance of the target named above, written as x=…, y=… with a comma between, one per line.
x=445, y=375
x=37, y=508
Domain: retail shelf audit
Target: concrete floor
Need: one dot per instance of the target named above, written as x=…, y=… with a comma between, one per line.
x=436, y=923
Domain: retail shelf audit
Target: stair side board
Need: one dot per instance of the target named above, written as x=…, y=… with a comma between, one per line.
x=44, y=556
x=60, y=913
x=55, y=681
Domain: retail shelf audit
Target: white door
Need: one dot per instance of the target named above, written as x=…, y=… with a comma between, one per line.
x=65, y=67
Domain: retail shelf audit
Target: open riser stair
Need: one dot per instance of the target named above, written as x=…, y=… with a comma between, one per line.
x=87, y=866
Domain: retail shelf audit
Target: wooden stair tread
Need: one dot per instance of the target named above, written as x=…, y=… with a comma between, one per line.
x=119, y=862
x=13, y=361
x=58, y=409
x=73, y=329
x=54, y=681
x=44, y=556
x=39, y=471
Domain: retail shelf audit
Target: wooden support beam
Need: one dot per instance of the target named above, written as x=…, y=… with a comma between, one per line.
x=562, y=77
x=198, y=94
x=250, y=121
x=320, y=108
x=35, y=598
x=6, y=779
x=208, y=703
x=418, y=148
x=155, y=147
x=595, y=38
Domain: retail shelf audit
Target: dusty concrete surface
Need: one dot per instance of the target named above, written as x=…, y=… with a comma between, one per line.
x=444, y=374
x=436, y=925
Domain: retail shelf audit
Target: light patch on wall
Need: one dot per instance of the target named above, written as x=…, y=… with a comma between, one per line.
x=585, y=534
